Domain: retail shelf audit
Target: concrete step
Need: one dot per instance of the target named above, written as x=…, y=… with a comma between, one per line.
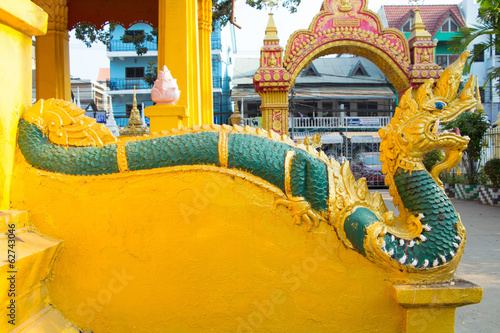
x=47, y=320
x=26, y=258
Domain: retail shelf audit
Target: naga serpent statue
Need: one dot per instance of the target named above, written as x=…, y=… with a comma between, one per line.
x=423, y=244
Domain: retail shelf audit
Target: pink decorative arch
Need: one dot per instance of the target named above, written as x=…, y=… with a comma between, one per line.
x=346, y=26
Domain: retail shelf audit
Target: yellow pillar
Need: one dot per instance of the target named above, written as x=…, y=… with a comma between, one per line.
x=205, y=29
x=52, y=53
x=431, y=308
x=178, y=50
x=19, y=21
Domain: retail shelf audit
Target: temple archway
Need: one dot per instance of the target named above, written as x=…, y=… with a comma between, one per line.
x=341, y=26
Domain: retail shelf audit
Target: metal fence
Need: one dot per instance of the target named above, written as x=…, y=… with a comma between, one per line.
x=492, y=144
x=122, y=84
x=119, y=46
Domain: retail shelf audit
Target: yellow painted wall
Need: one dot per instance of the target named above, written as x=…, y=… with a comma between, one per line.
x=19, y=20
x=194, y=252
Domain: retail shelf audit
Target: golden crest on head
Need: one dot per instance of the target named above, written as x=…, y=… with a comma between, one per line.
x=414, y=129
x=66, y=124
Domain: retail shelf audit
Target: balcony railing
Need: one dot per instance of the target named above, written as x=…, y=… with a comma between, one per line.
x=118, y=45
x=122, y=84
x=215, y=43
x=348, y=123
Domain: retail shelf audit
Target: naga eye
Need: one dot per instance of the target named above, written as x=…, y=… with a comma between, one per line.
x=440, y=105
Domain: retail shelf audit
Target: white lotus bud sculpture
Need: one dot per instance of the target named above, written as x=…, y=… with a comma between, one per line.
x=165, y=90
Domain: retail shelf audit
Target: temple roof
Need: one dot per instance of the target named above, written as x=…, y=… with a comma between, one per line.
x=432, y=15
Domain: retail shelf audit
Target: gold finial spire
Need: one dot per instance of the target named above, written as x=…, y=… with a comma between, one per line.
x=135, y=125
x=236, y=116
x=271, y=32
x=418, y=28
x=479, y=106
x=134, y=102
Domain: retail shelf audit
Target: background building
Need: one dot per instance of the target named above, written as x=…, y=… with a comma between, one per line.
x=127, y=69
x=223, y=50
x=346, y=99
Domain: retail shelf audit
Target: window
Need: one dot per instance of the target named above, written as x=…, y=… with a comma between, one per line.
x=310, y=71
x=360, y=72
x=478, y=50
x=134, y=72
x=444, y=60
x=449, y=26
x=407, y=26
x=327, y=106
x=134, y=33
x=367, y=109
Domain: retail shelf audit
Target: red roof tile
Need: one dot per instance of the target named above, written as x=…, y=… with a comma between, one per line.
x=432, y=15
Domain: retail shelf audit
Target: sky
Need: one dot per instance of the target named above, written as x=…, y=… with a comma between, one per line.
x=85, y=62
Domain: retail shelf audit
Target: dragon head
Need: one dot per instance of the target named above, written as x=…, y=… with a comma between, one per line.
x=415, y=128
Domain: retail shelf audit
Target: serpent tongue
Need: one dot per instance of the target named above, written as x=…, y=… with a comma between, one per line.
x=456, y=131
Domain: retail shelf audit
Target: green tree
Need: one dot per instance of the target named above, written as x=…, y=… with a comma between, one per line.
x=489, y=26
x=151, y=73
x=89, y=34
x=474, y=126
x=432, y=158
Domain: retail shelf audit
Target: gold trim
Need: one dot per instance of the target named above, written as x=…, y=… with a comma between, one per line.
x=292, y=52
x=288, y=168
x=121, y=157
x=223, y=149
x=331, y=191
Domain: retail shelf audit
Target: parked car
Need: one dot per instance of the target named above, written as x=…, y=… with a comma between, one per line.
x=368, y=165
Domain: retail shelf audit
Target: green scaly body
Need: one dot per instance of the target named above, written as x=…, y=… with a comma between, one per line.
x=263, y=158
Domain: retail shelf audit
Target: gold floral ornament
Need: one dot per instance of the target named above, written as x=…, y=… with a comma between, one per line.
x=345, y=6
x=66, y=124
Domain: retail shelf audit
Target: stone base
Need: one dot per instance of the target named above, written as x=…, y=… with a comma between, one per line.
x=467, y=192
x=431, y=307
x=489, y=196
x=449, y=189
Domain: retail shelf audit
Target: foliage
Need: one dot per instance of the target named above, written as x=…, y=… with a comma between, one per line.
x=151, y=73
x=492, y=170
x=489, y=26
x=482, y=177
x=139, y=39
x=474, y=126
x=432, y=158
x=221, y=9
x=89, y=34
x=451, y=178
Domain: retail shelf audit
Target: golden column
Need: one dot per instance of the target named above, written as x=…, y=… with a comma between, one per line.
x=52, y=53
x=205, y=29
x=19, y=20
x=272, y=82
x=178, y=49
